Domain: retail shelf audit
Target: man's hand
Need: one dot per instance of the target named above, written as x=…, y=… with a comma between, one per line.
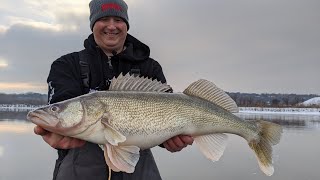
x=177, y=143
x=58, y=141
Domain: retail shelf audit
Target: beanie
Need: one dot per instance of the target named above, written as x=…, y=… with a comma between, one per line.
x=104, y=8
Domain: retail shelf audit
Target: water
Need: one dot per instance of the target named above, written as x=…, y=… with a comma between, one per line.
x=24, y=155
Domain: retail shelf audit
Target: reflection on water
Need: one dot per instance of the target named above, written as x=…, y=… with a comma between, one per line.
x=287, y=121
x=12, y=115
x=24, y=155
x=17, y=127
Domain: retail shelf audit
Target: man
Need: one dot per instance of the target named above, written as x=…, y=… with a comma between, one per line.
x=109, y=51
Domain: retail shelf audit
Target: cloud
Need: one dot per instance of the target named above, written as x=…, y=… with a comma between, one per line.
x=32, y=40
x=30, y=51
x=42, y=14
x=3, y=29
x=247, y=46
x=3, y=63
x=16, y=21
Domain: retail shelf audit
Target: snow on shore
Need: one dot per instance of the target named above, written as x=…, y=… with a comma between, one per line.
x=312, y=101
x=17, y=107
x=265, y=110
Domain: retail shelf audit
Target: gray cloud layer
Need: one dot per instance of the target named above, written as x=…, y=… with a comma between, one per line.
x=246, y=46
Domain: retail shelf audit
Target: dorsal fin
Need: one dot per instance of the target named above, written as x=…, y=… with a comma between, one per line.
x=133, y=83
x=208, y=91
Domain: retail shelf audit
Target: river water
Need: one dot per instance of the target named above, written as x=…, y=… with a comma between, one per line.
x=24, y=155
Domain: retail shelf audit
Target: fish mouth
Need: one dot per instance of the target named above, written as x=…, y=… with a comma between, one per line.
x=42, y=118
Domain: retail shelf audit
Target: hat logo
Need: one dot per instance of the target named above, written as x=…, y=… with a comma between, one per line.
x=108, y=6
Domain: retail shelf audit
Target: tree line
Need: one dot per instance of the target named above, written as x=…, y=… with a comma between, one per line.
x=270, y=100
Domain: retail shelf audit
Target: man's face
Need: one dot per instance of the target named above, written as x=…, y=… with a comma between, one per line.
x=110, y=33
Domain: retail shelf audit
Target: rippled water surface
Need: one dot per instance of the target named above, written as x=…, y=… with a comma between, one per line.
x=24, y=155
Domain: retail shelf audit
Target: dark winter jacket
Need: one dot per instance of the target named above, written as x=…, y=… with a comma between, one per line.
x=65, y=81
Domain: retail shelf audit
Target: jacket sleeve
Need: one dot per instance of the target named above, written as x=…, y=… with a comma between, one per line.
x=64, y=81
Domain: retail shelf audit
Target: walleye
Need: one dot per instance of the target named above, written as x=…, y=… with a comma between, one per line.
x=137, y=113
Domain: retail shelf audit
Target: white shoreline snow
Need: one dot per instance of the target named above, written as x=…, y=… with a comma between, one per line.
x=267, y=110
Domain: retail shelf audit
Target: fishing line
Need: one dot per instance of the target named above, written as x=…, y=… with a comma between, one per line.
x=109, y=178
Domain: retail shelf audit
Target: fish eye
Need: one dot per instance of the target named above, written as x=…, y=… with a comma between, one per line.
x=54, y=108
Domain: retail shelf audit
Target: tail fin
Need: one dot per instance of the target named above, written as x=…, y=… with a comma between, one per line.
x=269, y=135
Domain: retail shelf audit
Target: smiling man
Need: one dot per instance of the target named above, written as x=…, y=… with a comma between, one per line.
x=109, y=51
x=110, y=34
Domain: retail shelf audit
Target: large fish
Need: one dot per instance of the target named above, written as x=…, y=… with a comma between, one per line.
x=137, y=113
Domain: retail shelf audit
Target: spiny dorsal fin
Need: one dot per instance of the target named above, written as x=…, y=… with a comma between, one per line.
x=132, y=83
x=207, y=90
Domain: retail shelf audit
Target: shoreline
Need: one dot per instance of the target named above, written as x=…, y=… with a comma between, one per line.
x=268, y=110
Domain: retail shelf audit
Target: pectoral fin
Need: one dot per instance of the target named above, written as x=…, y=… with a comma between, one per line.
x=121, y=158
x=212, y=145
x=112, y=136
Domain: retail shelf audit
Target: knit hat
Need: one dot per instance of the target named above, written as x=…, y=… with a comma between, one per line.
x=103, y=8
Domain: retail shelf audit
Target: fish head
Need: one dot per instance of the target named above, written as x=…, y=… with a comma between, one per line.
x=68, y=117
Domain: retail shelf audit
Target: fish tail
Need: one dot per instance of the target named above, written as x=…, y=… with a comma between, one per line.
x=269, y=135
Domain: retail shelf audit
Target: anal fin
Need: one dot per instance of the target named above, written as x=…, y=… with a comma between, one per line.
x=212, y=145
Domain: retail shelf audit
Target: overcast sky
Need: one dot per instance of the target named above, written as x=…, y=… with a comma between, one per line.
x=256, y=46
